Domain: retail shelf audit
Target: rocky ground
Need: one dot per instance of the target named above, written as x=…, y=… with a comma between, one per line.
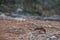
x=29, y=29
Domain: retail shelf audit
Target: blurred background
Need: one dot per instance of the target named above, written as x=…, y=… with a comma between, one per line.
x=39, y=9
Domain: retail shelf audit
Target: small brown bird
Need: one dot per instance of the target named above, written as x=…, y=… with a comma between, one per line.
x=40, y=29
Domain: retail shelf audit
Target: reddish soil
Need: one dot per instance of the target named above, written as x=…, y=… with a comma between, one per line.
x=11, y=29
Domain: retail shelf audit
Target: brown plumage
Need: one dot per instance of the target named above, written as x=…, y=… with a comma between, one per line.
x=41, y=29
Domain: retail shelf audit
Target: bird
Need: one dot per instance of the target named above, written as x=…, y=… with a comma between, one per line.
x=40, y=29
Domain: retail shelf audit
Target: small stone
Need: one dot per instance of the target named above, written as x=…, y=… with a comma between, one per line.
x=52, y=37
x=49, y=26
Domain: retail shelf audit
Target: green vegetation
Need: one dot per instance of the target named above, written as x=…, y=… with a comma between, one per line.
x=31, y=5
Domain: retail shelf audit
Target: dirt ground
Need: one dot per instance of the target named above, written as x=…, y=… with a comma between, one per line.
x=25, y=30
